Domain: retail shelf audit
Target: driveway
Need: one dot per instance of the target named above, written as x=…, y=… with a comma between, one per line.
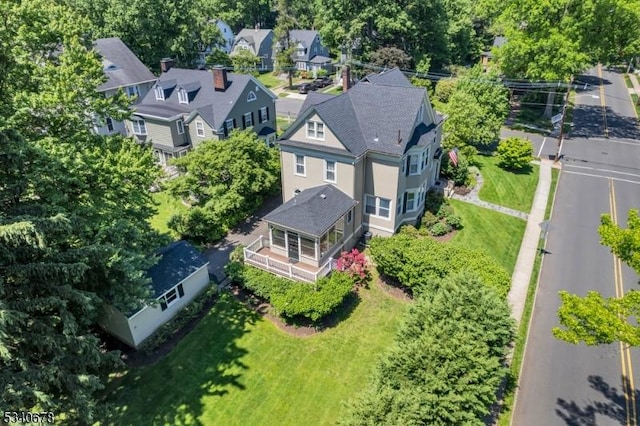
x=243, y=234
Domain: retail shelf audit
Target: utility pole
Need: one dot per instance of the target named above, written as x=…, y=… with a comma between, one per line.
x=564, y=114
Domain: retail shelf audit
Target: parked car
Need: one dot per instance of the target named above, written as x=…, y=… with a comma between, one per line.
x=305, y=88
x=323, y=81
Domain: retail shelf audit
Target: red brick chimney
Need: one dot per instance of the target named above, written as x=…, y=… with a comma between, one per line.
x=346, y=78
x=219, y=78
x=166, y=64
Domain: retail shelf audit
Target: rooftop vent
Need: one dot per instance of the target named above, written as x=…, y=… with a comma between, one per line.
x=324, y=197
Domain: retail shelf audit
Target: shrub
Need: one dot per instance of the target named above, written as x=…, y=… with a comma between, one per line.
x=454, y=221
x=322, y=72
x=196, y=225
x=440, y=229
x=458, y=174
x=444, y=211
x=444, y=89
x=293, y=299
x=355, y=265
x=429, y=219
x=514, y=153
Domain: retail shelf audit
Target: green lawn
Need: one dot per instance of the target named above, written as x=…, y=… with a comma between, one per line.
x=166, y=206
x=513, y=190
x=498, y=234
x=236, y=368
x=270, y=80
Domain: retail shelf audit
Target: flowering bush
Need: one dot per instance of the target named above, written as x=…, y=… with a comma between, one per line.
x=355, y=264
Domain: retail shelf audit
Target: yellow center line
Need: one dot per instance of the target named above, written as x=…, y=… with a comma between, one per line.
x=625, y=352
x=603, y=102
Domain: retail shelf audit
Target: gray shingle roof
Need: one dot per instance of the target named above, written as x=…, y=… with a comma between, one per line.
x=178, y=260
x=393, y=77
x=313, y=211
x=213, y=106
x=305, y=38
x=122, y=67
x=255, y=37
x=370, y=115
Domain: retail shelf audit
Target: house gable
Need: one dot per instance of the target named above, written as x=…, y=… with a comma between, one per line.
x=313, y=130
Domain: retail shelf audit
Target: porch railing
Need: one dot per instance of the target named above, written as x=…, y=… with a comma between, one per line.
x=252, y=257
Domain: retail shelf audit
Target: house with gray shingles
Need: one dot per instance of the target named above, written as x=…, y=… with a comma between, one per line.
x=186, y=107
x=487, y=56
x=310, y=54
x=124, y=71
x=359, y=162
x=177, y=278
x=257, y=41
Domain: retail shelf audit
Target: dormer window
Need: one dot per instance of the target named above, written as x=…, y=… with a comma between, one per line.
x=183, y=96
x=159, y=93
x=315, y=130
x=251, y=97
x=133, y=91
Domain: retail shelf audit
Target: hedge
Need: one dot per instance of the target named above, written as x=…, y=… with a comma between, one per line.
x=293, y=299
x=416, y=261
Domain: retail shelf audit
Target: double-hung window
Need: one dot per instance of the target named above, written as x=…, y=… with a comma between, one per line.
x=171, y=297
x=377, y=206
x=183, y=96
x=315, y=130
x=414, y=163
x=110, y=126
x=159, y=93
x=300, y=165
x=200, y=129
x=330, y=171
x=139, y=127
x=180, y=126
x=263, y=114
x=411, y=201
x=133, y=91
x=248, y=120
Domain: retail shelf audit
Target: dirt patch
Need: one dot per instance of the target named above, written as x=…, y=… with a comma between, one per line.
x=462, y=190
x=446, y=237
x=394, y=289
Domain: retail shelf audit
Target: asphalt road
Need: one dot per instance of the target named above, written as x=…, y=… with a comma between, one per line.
x=563, y=384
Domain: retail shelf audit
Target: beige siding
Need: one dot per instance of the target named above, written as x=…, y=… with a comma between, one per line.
x=314, y=174
x=330, y=138
x=209, y=133
x=381, y=180
x=145, y=322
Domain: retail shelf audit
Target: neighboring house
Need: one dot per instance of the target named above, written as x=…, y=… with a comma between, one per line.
x=179, y=276
x=361, y=161
x=124, y=71
x=309, y=54
x=227, y=43
x=487, y=57
x=186, y=107
x=259, y=42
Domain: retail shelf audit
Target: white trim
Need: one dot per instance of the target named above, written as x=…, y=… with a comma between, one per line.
x=247, y=117
x=377, y=206
x=316, y=125
x=142, y=126
x=416, y=197
x=183, y=96
x=335, y=171
x=251, y=96
x=262, y=117
x=200, y=126
x=295, y=165
x=206, y=265
x=417, y=164
x=180, y=126
x=159, y=92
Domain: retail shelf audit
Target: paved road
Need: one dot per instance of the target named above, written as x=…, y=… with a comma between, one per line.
x=288, y=106
x=578, y=385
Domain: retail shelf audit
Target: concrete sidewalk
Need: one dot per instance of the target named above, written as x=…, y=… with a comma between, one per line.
x=529, y=247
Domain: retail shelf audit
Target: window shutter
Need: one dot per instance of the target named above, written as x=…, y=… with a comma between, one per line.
x=404, y=203
x=253, y=121
x=267, y=113
x=406, y=170
x=235, y=126
x=226, y=130
x=244, y=122
x=180, y=290
x=163, y=304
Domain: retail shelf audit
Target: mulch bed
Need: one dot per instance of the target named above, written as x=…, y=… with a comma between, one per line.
x=446, y=237
x=461, y=190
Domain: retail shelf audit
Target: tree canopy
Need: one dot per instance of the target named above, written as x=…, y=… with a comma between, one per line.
x=594, y=319
x=73, y=213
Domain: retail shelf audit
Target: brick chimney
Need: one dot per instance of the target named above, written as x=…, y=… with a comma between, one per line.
x=219, y=78
x=166, y=64
x=346, y=78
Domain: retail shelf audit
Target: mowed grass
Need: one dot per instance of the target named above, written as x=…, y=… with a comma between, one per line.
x=505, y=188
x=236, y=368
x=269, y=80
x=166, y=206
x=496, y=233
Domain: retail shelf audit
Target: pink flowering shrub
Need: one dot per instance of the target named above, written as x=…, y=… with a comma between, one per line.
x=355, y=264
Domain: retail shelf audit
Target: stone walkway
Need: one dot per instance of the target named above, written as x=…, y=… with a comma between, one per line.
x=473, y=198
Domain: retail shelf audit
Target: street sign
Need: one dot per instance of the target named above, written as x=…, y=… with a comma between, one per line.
x=556, y=118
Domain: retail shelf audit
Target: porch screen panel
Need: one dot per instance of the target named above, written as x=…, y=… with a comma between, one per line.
x=277, y=237
x=308, y=247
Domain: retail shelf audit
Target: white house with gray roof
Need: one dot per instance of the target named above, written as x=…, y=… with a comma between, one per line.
x=257, y=41
x=361, y=161
x=177, y=278
x=124, y=71
x=186, y=107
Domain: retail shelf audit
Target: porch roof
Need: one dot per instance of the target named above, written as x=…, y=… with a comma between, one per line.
x=312, y=211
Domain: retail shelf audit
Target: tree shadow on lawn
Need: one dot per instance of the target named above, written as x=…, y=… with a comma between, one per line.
x=614, y=407
x=526, y=170
x=204, y=364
